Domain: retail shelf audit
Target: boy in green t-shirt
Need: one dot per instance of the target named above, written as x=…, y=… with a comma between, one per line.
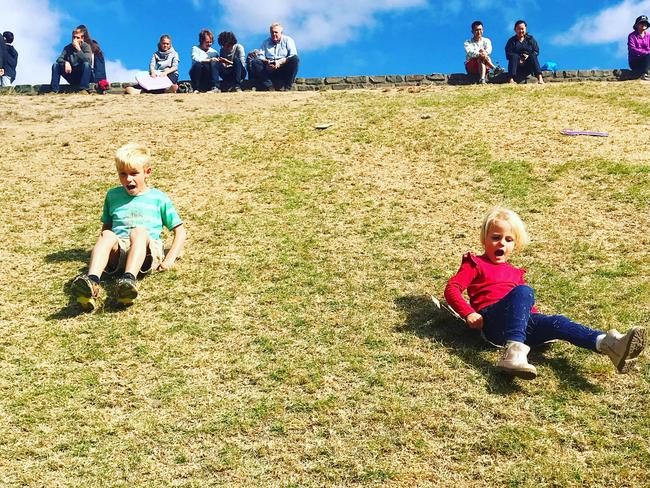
x=133, y=217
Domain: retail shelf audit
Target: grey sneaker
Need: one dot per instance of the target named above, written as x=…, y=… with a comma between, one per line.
x=215, y=89
x=623, y=349
x=126, y=291
x=86, y=293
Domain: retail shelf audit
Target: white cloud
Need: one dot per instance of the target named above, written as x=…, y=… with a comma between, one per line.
x=315, y=24
x=36, y=29
x=116, y=71
x=611, y=25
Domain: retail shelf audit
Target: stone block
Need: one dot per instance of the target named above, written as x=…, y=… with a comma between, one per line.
x=341, y=86
x=120, y=85
x=437, y=77
x=377, y=79
x=299, y=81
x=461, y=79
x=570, y=74
x=395, y=78
x=314, y=81
x=333, y=80
x=23, y=89
x=356, y=79
x=414, y=77
x=305, y=87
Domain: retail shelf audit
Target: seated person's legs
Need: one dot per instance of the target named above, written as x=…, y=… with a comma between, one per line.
x=260, y=75
x=284, y=76
x=196, y=75
x=507, y=320
x=105, y=253
x=513, y=67
x=55, y=81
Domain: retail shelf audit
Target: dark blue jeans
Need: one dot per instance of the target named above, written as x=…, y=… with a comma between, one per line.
x=518, y=71
x=640, y=64
x=233, y=75
x=510, y=319
x=204, y=76
x=283, y=77
x=80, y=76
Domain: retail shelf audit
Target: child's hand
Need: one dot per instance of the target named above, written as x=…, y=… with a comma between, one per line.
x=165, y=266
x=474, y=320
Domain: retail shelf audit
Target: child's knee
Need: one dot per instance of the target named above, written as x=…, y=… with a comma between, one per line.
x=524, y=292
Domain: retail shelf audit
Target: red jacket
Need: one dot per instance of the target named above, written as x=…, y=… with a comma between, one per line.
x=486, y=283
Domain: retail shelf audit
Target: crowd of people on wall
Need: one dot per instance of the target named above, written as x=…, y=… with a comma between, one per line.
x=274, y=65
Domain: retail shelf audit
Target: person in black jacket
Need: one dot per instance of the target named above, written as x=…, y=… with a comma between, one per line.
x=521, y=52
x=11, y=60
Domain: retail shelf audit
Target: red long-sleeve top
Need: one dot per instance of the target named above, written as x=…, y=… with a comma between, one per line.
x=486, y=283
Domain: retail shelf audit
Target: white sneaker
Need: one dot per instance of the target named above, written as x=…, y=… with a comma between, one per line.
x=514, y=361
x=623, y=349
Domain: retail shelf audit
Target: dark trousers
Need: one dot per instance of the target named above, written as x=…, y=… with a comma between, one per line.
x=265, y=78
x=204, y=76
x=80, y=76
x=510, y=319
x=519, y=71
x=640, y=64
x=232, y=75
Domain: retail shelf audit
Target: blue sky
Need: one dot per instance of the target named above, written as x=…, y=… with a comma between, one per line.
x=334, y=37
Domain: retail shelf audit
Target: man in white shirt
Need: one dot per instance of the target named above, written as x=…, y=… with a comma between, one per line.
x=275, y=64
x=477, y=53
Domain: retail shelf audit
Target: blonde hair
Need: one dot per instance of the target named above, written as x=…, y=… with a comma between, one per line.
x=507, y=215
x=132, y=156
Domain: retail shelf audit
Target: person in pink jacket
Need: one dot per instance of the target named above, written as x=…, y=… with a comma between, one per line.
x=502, y=306
x=638, y=47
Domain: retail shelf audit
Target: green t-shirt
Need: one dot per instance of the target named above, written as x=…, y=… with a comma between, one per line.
x=152, y=209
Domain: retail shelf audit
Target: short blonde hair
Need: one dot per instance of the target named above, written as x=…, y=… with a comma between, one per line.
x=132, y=156
x=518, y=227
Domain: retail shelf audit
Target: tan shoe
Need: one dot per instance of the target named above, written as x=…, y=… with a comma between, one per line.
x=623, y=349
x=514, y=361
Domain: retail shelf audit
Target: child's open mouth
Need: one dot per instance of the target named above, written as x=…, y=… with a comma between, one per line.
x=499, y=252
x=131, y=186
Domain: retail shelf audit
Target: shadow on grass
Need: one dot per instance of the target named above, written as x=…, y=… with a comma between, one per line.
x=82, y=255
x=425, y=319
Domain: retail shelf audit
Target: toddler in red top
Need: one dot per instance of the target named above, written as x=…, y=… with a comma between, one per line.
x=502, y=306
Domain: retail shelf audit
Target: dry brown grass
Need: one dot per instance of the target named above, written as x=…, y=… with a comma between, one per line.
x=295, y=344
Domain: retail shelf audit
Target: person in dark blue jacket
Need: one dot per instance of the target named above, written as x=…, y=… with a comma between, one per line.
x=11, y=60
x=522, y=52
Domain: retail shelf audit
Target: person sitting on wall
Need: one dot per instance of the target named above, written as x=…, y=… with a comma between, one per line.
x=522, y=52
x=98, y=64
x=10, y=61
x=74, y=64
x=275, y=64
x=204, y=73
x=163, y=64
x=232, y=60
x=477, y=53
x=638, y=47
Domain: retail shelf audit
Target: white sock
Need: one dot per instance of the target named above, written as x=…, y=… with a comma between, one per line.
x=599, y=339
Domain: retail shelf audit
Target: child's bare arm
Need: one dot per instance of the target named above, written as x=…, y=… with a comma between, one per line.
x=177, y=246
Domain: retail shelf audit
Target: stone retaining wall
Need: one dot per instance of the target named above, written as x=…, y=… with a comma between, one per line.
x=382, y=81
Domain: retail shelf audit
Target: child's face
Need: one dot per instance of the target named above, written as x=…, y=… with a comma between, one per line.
x=134, y=180
x=499, y=241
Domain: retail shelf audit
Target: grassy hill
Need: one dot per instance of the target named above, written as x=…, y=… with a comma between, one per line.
x=296, y=343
